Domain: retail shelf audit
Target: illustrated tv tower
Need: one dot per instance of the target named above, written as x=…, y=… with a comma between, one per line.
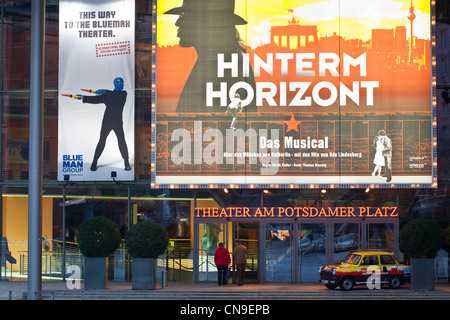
x=411, y=18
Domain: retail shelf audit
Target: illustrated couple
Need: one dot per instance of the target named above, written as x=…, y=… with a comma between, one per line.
x=383, y=155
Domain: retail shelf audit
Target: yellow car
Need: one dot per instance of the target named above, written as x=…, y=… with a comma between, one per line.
x=371, y=268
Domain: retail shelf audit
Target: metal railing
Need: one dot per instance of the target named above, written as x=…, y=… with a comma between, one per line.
x=208, y=269
x=177, y=260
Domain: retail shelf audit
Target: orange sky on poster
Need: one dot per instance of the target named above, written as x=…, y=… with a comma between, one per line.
x=353, y=19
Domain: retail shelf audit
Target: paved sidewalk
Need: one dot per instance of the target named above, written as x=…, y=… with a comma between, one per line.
x=56, y=290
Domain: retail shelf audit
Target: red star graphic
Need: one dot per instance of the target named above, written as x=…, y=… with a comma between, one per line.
x=292, y=124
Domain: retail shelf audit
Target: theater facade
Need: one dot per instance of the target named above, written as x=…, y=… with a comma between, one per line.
x=305, y=138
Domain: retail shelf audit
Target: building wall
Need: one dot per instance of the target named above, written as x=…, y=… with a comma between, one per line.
x=15, y=225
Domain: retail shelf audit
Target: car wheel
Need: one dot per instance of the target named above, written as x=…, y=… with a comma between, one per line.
x=395, y=282
x=347, y=283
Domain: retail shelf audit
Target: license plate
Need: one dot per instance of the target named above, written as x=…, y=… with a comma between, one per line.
x=325, y=281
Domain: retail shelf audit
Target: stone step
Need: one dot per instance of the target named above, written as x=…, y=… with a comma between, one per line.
x=242, y=295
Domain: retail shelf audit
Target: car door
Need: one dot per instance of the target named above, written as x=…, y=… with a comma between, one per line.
x=366, y=265
x=386, y=264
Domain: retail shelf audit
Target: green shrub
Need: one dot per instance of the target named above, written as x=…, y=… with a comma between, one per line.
x=98, y=237
x=147, y=239
x=421, y=238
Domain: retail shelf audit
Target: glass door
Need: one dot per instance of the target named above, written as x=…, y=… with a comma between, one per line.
x=381, y=236
x=312, y=238
x=247, y=234
x=347, y=237
x=279, y=252
x=209, y=237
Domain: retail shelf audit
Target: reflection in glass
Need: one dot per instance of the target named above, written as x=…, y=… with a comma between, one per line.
x=352, y=259
x=210, y=237
x=381, y=236
x=346, y=238
x=278, y=252
x=210, y=234
x=312, y=248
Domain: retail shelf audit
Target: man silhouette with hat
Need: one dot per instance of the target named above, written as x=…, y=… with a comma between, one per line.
x=210, y=27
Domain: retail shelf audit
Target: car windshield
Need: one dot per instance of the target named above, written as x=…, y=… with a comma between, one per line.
x=352, y=259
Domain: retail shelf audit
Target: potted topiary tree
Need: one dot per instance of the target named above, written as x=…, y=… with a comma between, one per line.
x=98, y=237
x=421, y=239
x=145, y=241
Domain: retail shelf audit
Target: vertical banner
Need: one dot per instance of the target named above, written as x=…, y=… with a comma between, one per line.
x=294, y=93
x=96, y=90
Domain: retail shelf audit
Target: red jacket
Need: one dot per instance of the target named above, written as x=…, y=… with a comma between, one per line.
x=222, y=256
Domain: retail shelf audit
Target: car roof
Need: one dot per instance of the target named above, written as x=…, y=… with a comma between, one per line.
x=371, y=252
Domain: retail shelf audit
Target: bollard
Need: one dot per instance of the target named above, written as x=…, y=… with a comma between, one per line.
x=163, y=279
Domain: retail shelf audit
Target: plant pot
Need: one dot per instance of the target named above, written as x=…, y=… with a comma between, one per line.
x=422, y=274
x=144, y=274
x=95, y=273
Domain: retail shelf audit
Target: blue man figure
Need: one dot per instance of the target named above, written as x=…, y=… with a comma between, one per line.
x=112, y=119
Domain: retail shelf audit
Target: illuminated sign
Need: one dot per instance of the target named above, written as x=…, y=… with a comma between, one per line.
x=296, y=212
x=288, y=93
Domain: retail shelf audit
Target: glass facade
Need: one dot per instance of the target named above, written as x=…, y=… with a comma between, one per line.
x=278, y=251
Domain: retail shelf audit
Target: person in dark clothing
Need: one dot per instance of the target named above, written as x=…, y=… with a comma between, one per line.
x=112, y=120
x=240, y=260
x=222, y=260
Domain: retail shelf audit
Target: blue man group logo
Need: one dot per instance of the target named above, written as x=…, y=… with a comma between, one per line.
x=72, y=163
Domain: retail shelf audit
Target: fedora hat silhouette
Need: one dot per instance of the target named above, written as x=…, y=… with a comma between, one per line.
x=218, y=9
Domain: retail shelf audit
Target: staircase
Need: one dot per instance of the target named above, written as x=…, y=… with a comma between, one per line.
x=225, y=294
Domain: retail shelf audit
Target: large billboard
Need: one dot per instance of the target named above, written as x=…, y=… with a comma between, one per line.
x=293, y=93
x=96, y=90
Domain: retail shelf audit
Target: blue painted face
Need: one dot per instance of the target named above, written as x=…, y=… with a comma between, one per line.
x=118, y=84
